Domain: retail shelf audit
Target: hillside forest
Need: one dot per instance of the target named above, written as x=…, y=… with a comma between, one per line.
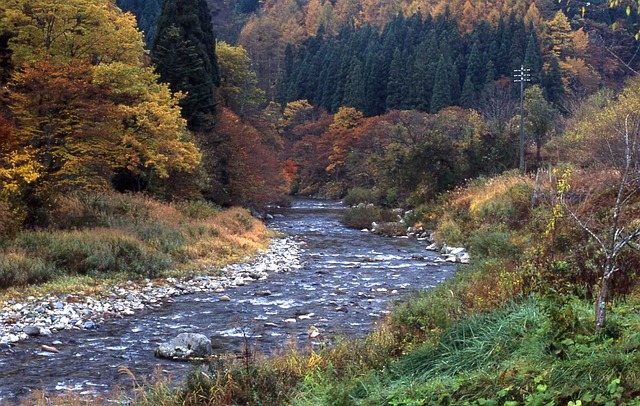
x=509, y=127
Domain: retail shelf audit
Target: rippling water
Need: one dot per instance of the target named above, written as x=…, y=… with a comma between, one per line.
x=348, y=279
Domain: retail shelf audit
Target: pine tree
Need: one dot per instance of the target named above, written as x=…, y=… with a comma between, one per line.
x=533, y=58
x=467, y=96
x=354, y=86
x=475, y=70
x=552, y=82
x=442, y=88
x=395, y=86
x=183, y=52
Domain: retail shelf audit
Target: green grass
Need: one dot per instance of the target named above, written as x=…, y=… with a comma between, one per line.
x=106, y=236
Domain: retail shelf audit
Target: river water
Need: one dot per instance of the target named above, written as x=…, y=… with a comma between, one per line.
x=346, y=283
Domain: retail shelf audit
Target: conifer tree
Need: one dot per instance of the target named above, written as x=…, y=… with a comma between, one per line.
x=552, y=82
x=533, y=58
x=395, y=85
x=442, y=88
x=467, y=94
x=475, y=70
x=354, y=86
x=183, y=52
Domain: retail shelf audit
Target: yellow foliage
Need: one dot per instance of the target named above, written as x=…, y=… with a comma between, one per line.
x=22, y=168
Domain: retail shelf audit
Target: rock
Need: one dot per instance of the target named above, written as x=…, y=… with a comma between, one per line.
x=224, y=298
x=89, y=325
x=32, y=330
x=48, y=348
x=451, y=258
x=289, y=321
x=239, y=282
x=263, y=293
x=184, y=346
x=432, y=247
x=457, y=251
x=313, y=332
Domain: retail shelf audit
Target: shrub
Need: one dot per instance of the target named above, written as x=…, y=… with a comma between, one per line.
x=362, y=216
x=198, y=209
x=19, y=269
x=358, y=195
x=491, y=243
x=448, y=231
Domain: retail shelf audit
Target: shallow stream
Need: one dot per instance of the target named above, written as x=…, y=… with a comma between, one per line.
x=346, y=283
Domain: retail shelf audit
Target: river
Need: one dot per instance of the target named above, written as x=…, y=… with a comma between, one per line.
x=345, y=285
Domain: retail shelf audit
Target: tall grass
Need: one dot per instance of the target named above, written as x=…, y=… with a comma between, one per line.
x=109, y=234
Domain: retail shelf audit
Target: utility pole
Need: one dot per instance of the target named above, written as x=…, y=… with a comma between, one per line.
x=522, y=75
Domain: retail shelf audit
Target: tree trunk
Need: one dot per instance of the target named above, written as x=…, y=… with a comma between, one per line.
x=603, y=299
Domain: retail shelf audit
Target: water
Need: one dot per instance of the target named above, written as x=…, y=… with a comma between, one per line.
x=348, y=279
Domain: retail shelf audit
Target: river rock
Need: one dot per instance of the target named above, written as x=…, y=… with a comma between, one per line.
x=32, y=330
x=184, y=346
x=224, y=298
x=48, y=348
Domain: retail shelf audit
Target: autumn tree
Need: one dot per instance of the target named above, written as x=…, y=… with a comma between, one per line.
x=540, y=118
x=84, y=104
x=612, y=137
x=238, y=82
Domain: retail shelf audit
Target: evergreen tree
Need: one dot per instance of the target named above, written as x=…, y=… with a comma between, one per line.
x=183, y=52
x=442, y=88
x=395, y=86
x=421, y=79
x=475, y=70
x=533, y=58
x=467, y=95
x=146, y=12
x=491, y=73
x=552, y=82
x=354, y=86
x=376, y=74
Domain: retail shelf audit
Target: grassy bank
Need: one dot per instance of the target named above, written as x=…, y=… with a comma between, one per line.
x=99, y=239
x=516, y=327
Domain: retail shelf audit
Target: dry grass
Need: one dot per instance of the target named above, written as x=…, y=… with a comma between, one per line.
x=105, y=239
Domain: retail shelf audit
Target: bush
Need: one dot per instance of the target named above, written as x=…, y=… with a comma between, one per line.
x=448, y=231
x=19, y=269
x=198, y=209
x=358, y=195
x=490, y=243
x=362, y=216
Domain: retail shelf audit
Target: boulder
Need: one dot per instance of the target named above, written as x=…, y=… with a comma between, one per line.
x=185, y=346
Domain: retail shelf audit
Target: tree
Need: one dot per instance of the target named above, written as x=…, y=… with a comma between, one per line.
x=183, y=52
x=552, y=82
x=395, y=85
x=238, y=82
x=614, y=138
x=85, y=105
x=540, y=118
x=442, y=88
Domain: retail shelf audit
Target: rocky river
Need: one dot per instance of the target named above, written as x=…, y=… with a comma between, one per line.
x=319, y=281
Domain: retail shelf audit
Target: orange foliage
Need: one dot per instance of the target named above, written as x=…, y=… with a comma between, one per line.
x=255, y=175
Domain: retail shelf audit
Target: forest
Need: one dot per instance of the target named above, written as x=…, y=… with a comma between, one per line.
x=509, y=127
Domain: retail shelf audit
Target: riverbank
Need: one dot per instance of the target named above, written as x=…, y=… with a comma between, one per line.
x=48, y=314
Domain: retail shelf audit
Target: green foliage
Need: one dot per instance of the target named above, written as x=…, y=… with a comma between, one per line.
x=358, y=195
x=361, y=217
x=109, y=234
x=489, y=243
x=183, y=51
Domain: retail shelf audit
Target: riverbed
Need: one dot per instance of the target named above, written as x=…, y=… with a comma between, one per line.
x=343, y=282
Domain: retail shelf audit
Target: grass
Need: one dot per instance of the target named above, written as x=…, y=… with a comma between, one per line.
x=99, y=239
